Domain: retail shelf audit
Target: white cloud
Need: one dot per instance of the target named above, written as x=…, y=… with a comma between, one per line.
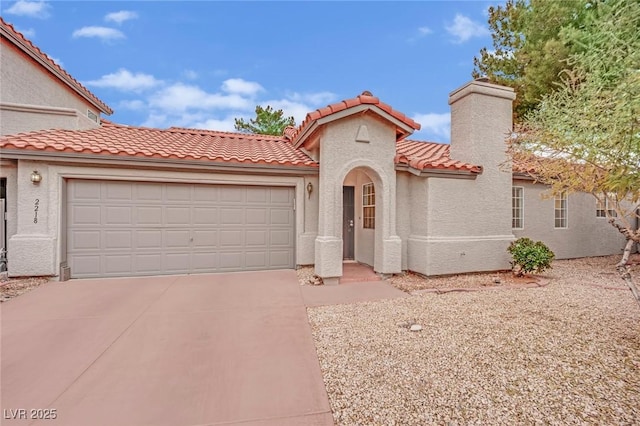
x=183, y=104
x=126, y=80
x=290, y=108
x=103, y=33
x=434, y=125
x=463, y=28
x=120, y=17
x=241, y=87
x=32, y=9
x=224, y=125
x=420, y=33
x=182, y=97
x=28, y=33
x=316, y=99
x=133, y=105
x=191, y=121
x=190, y=74
x=156, y=120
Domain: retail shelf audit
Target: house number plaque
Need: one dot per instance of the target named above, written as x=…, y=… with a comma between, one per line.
x=36, y=206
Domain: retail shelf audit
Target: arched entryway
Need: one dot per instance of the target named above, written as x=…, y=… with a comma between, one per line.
x=359, y=216
x=374, y=232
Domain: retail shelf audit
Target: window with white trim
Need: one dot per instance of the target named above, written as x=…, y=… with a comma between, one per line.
x=368, y=206
x=560, y=210
x=601, y=208
x=517, y=207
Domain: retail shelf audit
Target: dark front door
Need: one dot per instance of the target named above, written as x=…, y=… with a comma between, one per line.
x=348, y=230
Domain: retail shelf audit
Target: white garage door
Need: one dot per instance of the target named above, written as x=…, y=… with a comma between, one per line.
x=139, y=228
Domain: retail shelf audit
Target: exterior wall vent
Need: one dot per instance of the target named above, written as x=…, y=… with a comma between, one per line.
x=92, y=115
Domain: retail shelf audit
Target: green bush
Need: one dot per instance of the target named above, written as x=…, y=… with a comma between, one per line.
x=529, y=256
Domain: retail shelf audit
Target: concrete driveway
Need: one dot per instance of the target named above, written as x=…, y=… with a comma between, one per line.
x=175, y=350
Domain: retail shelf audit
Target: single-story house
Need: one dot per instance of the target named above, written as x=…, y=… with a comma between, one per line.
x=85, y=197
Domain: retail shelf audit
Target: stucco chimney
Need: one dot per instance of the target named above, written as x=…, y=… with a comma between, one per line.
x=481, y=120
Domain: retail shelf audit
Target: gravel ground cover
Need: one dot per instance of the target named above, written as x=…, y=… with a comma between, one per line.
x=567, y=353
x=411, y=282
x=307, y=276
x=14, y=287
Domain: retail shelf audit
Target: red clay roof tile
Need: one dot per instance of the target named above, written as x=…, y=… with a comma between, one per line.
x=189, y=144
x=208, y=145
x=75, y=84
x=429, y=155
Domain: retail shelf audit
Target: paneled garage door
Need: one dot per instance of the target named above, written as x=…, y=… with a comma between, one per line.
x=138, y=228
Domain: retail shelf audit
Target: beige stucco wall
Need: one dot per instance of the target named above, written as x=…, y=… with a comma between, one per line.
x=404, y=202
x=586, y=234
x=36, y=248
x=340, y=153
x=24, y=118
x=307, y=236
x=24, y=83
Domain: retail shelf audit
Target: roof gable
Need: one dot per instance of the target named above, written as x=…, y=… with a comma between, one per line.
x=361, y=103
x=8, y=32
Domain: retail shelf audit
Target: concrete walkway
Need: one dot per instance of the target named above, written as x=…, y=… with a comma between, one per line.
x=179, y=350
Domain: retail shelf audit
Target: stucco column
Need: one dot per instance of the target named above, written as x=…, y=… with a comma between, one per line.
x=32, y=250
x=328, y=246
x=388, y=252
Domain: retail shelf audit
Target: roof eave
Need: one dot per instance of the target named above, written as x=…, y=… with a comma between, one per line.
x=439, y=173
x=523, y=176
x=107, y=160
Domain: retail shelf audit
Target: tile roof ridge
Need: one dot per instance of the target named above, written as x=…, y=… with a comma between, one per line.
x=428, y=142
x=73, y=82
x=176, y=129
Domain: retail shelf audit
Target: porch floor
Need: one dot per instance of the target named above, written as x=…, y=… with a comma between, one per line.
x=353, y=272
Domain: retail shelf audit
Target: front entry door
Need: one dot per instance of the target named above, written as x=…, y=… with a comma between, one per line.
x=348, y=229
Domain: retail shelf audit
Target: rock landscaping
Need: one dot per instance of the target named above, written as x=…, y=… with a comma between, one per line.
x=14, y=287
x=565, y=353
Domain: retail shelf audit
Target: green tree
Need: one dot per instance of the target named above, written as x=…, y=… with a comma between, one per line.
x=528, y=50
x=585, y=136
x=266, y=122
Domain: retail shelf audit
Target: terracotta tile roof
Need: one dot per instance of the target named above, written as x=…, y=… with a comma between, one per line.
x=72, y=82
x=175, y=143
x=429, y=155
x=366, y=98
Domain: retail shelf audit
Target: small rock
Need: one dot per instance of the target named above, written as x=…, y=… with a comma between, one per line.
x=415, y=327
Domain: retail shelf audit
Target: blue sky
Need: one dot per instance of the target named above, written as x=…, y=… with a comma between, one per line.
x=203, y=63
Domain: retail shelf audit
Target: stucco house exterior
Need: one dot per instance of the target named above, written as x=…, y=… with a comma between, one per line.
x=101, y=199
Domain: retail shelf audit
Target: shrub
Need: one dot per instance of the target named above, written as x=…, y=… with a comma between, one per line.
x=529, y=256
